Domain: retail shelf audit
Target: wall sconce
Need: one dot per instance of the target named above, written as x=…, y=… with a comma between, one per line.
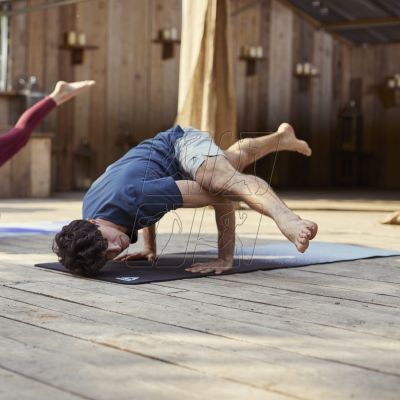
x=168, y=38
x=76, y=43
x=393, y=83
x=306, y=70
x=251, y=54
x=391, y=91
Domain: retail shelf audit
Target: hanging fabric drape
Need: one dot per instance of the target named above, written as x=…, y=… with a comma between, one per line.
x=206, y=91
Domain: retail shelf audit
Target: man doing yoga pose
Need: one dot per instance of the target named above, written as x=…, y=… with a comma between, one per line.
x=181, y=167
x=15, y=139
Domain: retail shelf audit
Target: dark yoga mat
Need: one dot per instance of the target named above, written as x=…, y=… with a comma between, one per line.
x=271, y=256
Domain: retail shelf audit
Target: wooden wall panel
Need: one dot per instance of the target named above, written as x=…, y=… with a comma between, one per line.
x=164, y=77
x=280, y=68
x=139, y=52
x=280, y=79
x=136, y=91
x=246, y=23
x=51, y=55
x=263, y=72
x=322, y=113
x=391, y=129
x=37, y=42
x=99, y=114
x=301, y=101
x=18, y=43
x=65, y=137
x=372, y=66
x=278, y=96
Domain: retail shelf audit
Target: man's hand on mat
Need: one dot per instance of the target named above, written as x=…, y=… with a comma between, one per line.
x=146, y=254
x=218, y=266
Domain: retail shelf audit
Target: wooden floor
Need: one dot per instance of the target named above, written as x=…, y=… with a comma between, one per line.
x=320, y=332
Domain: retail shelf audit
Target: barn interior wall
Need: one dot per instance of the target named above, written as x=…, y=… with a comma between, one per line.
x=136, y=91
x=370, y=69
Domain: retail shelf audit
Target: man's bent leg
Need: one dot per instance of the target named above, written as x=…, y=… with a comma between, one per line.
x=218, y=176
x=246, y=151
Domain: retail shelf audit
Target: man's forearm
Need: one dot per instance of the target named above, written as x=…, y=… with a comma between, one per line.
x=149, y=238
x=225, y=219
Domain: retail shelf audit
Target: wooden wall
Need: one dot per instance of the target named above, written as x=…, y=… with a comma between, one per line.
x=274, y=95
x=371, y=66
x=136, y=91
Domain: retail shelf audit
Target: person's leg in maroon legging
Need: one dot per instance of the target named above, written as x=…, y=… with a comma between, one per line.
x=13, y=141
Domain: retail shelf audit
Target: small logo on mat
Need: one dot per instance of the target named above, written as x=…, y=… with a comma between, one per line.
x=127, y=278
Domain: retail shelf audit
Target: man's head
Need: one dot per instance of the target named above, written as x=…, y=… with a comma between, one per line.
x=84, y=246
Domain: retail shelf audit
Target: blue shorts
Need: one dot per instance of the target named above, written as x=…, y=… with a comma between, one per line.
x=192, y=149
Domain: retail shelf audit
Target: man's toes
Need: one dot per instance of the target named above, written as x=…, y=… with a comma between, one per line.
x=302, y=239
x=301, y=247
x=304, y=148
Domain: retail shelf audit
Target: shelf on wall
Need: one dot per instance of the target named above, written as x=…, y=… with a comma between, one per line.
x=77, y=52
x=168, y=47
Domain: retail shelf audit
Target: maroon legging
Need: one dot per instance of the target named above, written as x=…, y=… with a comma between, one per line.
x=16, y=138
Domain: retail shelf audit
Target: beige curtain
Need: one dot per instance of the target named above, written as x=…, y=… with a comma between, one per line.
x=206, y=91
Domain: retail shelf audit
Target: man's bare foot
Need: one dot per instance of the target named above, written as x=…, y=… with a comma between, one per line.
x=290, y=142
x=65, y=91
x=298, y=231
x=392, y=219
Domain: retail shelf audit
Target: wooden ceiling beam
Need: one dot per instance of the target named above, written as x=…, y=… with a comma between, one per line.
x=314, y=22
x=37, y=7
x=362, y=24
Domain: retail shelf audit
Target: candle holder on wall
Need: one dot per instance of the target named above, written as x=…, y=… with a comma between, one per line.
x=251, y=55
x=305, y=72
x=168, y=38
x=75, y=42
x=391, y=91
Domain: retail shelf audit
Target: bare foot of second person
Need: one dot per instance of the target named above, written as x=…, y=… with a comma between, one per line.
x=392, y=219
x=65, y=91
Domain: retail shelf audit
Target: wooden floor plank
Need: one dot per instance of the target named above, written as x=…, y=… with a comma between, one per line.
x=19, y=387
x=322, y=342
x=369, y=319
x=273, y=369
x=381, y=270
x=322, y=280
x=310, y=333
x=91, y=367
x=288, y=284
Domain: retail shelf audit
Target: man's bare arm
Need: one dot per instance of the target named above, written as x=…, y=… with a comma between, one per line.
x=194, y=195
x=225, y=219
x=149, y=238
x=149, y=251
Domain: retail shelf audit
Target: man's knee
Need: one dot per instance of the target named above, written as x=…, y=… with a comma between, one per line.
x=215, y=174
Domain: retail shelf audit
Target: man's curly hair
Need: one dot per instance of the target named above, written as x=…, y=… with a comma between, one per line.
x=80, y=247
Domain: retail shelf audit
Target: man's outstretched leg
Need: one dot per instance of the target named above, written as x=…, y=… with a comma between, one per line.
x=246, y=151
x=218, y=176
